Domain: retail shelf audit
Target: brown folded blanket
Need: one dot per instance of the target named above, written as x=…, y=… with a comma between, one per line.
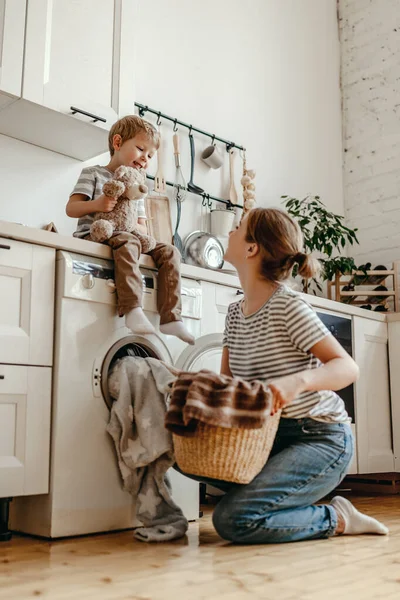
x=217, y=400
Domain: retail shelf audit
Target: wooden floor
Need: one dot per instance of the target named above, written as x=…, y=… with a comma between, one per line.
x=115, y=566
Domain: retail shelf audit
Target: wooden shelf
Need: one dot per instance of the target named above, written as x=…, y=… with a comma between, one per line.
x=360, y=296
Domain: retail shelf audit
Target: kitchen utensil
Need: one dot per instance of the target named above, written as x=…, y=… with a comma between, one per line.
x=233, y=195
x=222, y=221
x=179, y=178
x=176, y=238
x=203, y=250
x=212, y=157
x=195, y=189
x=179, y=191
x=159, y=218
x=159, y=179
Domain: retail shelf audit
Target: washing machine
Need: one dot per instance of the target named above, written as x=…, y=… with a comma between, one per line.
x=86, y=494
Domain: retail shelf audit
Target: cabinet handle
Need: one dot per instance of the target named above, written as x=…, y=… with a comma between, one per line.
x=5, y=247
x=87, y=114
x=1, y=376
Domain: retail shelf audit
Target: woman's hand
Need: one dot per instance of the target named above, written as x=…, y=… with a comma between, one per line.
x=285, y=390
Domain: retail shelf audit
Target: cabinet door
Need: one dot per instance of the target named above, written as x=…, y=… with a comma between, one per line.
x=25, y=397
x=394, y=364
x=12, y=31
x=26, y=303
x=372, y=402
x=72, y=56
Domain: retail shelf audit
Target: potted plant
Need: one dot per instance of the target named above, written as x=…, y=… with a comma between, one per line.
x=324, y=232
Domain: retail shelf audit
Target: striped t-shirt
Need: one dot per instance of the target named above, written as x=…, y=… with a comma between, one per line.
x=275, y=341
x=90, y=184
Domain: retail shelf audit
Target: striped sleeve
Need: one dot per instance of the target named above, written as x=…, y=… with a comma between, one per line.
x=86, y=183
x=303, y=324
x=226, y=329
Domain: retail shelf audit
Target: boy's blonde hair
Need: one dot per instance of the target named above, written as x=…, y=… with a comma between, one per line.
x=280, y=240
x=128, y=127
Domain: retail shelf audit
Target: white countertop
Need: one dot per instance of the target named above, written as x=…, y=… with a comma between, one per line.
x=41, y=237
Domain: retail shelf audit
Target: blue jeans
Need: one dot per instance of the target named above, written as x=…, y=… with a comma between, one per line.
x=309, y=459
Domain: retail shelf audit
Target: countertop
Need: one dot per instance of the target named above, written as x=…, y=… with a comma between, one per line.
x=41, y=237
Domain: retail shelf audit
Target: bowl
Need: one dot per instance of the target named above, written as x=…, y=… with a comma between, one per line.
x=202, y=249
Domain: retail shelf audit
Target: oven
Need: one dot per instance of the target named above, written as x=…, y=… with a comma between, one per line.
x=340, y=327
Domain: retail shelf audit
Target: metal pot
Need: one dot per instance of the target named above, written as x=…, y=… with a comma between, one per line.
x=203, y=250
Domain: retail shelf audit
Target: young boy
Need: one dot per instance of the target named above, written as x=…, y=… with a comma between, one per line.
x=132, y=142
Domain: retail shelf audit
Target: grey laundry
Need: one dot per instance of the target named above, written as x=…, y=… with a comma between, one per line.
x=143, y=445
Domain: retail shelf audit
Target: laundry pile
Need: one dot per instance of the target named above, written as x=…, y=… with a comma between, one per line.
x=143, y=445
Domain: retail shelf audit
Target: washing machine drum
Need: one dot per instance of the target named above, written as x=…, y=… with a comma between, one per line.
x=128, y=346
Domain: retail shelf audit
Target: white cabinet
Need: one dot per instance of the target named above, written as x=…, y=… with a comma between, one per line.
x=25, y=396
x=78, y=55
x=372, y=401
x=12, y=29
x=72, y=56
x=26, y=303
x=394, y=361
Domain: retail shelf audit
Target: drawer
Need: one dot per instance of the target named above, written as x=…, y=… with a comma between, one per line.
x=16, y=255
x=26, y=303
x=25, y=403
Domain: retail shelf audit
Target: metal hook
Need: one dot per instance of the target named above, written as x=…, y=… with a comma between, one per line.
x=209, y=201
x=213, y=140
x=242, y=153
x=159, y=119
x=142, y=111
x=230, y=146
x=190, y=129
x=204, y=202
x=175, y=127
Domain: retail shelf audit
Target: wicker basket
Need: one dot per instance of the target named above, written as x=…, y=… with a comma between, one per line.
x=236, y=455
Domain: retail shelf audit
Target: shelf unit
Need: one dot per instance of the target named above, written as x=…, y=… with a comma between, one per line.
x=368, y=279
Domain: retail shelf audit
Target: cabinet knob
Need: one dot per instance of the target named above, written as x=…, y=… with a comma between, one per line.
x=88, y=281
x=1, y=376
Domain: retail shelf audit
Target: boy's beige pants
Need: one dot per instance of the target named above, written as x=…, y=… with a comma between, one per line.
x=128, y=280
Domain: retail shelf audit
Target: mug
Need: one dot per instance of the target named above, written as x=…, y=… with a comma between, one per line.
x=212, y=157
x=222, y=221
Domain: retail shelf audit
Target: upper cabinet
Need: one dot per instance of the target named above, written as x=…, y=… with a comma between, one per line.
x=77, y=76
x=12, y=32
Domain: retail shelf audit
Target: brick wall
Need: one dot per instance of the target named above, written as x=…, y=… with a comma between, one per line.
x=370, y=72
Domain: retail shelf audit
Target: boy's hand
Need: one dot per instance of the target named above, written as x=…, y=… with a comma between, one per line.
x=105, y=203
x=142, y=228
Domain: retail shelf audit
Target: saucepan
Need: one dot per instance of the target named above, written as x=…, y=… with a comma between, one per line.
x=202, y=249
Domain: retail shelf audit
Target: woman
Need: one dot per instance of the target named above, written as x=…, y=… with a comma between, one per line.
x=273, y=335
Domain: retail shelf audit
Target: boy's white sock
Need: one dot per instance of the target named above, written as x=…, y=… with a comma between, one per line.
x=355, y=522
x=137, y=321
x=178, y=329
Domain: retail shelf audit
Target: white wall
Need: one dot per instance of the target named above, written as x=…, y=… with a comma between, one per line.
x=370, y=36
x=265, y=75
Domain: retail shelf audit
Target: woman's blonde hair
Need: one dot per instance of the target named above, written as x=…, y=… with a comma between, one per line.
x=128, y=127
x=280, y=241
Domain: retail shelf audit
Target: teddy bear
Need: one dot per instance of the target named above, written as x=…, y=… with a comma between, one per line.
x=127, y=186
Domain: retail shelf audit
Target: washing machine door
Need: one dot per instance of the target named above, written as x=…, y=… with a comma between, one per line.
x=118, y=347
x=205, y=354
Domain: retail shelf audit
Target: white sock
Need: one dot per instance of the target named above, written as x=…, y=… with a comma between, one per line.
x=178, y=329
x=137, y=321
x=355, y=522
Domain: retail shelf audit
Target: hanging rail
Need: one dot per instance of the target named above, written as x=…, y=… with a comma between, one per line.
x=143, y=109
x=207, y=198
